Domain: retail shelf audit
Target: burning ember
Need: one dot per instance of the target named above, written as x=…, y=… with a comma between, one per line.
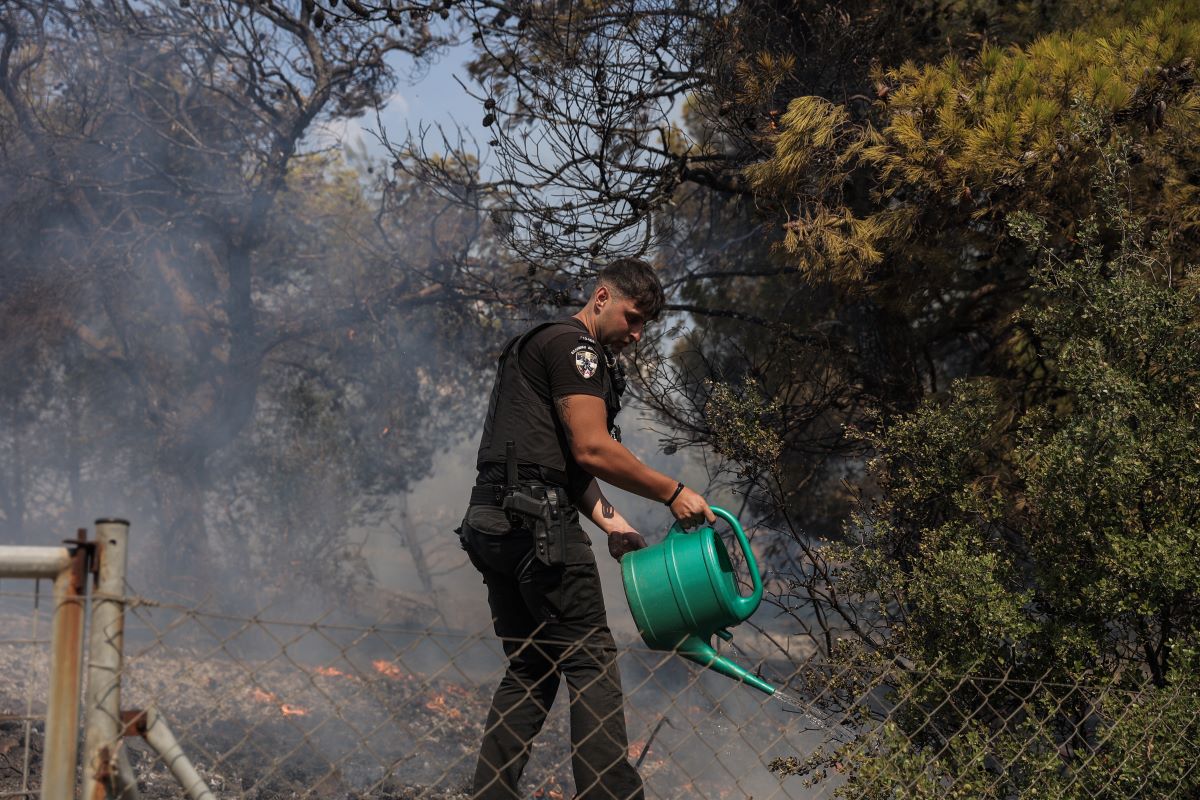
x=438, y=703
x=330, y=672
x=259, y=696
x=387, y=668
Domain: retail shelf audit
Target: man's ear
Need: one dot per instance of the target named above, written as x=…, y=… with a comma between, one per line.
x=601, y=297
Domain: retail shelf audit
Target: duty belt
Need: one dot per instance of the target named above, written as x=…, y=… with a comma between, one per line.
x=541, y=508
x=492, y=494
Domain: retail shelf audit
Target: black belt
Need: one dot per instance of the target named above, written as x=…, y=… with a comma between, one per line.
x=492, y=494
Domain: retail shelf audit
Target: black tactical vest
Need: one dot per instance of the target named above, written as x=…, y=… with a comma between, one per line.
x=518, y=414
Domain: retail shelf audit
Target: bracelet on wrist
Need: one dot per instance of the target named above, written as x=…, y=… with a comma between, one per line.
x=678, y=489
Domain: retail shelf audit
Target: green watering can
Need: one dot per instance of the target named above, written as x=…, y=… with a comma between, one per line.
x=681, y=592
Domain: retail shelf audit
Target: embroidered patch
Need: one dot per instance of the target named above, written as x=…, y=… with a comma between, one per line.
x=586, y=361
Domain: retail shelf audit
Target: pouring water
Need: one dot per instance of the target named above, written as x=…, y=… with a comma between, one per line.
x=802, y=709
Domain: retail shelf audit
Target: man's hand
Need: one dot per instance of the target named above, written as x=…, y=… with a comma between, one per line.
x=691, y=509
x=622, y=542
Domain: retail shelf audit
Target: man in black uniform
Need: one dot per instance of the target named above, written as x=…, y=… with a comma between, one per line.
x=549, y=434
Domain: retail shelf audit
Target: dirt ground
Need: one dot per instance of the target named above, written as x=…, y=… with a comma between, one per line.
x=269, y=711
x=360, y=725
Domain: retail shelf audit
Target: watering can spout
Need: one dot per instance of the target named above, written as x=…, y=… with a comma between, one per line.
x=700, y=651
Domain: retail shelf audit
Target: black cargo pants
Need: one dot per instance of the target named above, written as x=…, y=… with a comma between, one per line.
x=552, y=623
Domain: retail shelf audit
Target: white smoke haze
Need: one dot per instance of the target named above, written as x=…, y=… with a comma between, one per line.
x=211, y=333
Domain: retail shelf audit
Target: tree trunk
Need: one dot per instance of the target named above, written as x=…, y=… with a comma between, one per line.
x=178, y=554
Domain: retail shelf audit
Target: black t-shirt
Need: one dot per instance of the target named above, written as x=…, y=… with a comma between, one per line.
x=558, y=361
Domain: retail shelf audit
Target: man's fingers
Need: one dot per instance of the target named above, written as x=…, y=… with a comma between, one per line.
x=691, y=509
x=624, y=542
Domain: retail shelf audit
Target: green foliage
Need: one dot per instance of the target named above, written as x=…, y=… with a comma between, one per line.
x=893, y=207
x=1048, y=542
x=740, y=419
x=1022, y=741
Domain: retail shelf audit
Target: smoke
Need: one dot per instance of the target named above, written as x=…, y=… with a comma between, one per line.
x=214, y=335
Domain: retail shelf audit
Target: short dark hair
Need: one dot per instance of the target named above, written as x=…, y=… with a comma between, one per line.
x=636, y=280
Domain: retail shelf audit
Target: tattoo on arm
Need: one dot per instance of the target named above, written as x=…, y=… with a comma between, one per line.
x=607, y=509
x=561, y=404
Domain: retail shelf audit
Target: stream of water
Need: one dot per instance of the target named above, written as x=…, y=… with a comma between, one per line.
x=839, y=731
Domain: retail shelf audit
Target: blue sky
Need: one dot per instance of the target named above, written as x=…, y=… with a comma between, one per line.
x=432, y=97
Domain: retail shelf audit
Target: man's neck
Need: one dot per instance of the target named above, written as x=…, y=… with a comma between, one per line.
x=588, y=319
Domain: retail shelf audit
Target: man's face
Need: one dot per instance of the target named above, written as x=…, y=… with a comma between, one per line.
x=619, y=320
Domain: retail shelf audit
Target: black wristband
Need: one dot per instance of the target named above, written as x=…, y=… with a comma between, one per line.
x=678, y=489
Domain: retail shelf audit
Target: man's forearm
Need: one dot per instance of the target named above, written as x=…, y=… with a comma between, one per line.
x=612, y=463
x=599, y=510
x=622, y=538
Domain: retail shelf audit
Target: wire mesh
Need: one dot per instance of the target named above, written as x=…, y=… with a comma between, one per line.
x=25, y=613
x=270, y=707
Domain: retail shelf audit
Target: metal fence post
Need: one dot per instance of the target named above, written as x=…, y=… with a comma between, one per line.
x=66, y=667
x=67, y=568
x=102, y=712
x=150, y=725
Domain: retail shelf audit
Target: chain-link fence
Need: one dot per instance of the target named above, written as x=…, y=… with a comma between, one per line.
x=25, y=643
x=274, y=708
x=264, y=706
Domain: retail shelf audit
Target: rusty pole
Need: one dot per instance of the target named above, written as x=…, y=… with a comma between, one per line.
x=102, y=709
x=66, y=667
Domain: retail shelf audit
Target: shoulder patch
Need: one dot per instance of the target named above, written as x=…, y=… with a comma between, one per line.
x=586, y=360
x=585, y=339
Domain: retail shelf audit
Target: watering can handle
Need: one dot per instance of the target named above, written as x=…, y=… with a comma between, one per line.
x=746, y=605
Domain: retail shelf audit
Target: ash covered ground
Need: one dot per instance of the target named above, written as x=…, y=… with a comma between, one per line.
x=270, y=711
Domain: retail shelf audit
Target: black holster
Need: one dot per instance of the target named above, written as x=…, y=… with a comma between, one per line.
x=537, y=507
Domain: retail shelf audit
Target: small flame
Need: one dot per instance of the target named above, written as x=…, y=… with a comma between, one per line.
x=258, y=695
x=262, y=697
x=330, y=672
x=387, y=668
x=438, y=703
